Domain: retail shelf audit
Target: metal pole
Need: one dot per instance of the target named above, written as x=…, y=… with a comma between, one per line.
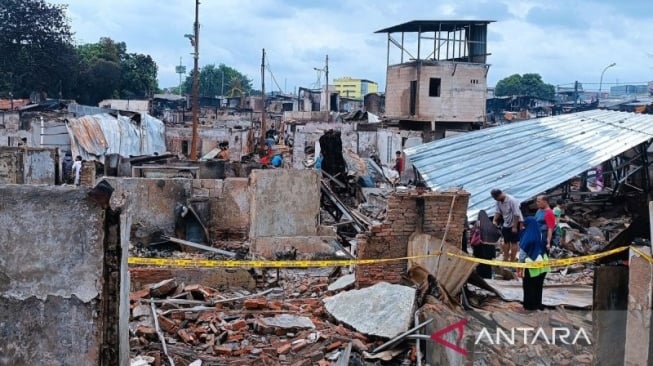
x=601, y=82
x=263, y=127
x=326, y=77
x=196, y=83
x=222, y=85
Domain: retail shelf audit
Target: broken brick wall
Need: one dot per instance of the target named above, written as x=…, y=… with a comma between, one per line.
x=53, y=278
x=390, y=238
x=87, y=174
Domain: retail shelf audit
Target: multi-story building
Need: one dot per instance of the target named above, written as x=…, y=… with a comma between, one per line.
x=355, y=88
x=439, y=77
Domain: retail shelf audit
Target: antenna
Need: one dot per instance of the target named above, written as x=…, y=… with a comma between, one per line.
x=181, y=69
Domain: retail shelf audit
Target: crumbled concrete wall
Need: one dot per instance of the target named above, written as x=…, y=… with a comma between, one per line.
x=27, y=165
x=151, y=202
x=639, y=327
x=284, y=202
x=390, y=238
x=51, y=276
x=308, y=134
x=229, y=203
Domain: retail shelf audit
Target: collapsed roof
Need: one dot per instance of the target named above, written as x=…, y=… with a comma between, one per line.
x=530, y=157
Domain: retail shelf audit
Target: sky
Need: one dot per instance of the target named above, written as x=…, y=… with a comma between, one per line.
x=562, y=40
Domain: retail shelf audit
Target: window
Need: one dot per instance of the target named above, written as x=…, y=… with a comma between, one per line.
x=184, y=147
x=474, y=81
x=434, y=87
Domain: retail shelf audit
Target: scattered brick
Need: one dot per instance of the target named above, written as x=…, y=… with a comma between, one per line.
x=332, y=346
x=222, y=350
x=239, y=324
x=283, y=349
x=253, y=304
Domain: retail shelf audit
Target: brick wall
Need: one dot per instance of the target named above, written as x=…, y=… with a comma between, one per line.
x=390, y=239
x=87, y=175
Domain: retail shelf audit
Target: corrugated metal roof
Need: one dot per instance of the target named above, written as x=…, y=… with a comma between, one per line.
x=94, y=136
x=527, y=158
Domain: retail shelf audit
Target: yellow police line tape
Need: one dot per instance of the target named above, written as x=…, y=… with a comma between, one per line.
x=169, y=262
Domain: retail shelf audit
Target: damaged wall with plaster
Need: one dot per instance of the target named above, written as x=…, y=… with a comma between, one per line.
x=20, y=165
x=240, y=137
x=151, y=202
x=52, y=275
x=284, y=210
x=390, y=238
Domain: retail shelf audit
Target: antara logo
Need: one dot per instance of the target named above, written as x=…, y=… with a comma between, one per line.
x=556, y=336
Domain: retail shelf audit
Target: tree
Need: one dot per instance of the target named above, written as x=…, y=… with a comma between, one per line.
x=218, y=81
x=527, y=84
x=108, y=71
x=36, y=52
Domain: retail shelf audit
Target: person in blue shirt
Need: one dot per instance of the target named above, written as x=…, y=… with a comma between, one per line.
x=318, y=161
x=276, y=161
x=532, y=248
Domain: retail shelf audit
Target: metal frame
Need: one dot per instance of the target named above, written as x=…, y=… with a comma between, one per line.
x=453, y=36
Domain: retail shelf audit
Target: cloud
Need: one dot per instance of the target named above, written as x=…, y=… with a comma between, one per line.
x=563, y=41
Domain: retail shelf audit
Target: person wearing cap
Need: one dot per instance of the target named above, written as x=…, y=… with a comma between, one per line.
x=507, y=210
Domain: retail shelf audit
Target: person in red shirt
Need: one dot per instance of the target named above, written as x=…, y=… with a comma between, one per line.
x=546, y=219
x=399, y=164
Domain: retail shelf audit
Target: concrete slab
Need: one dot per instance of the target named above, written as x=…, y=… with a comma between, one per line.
x=579, y=296
x=343, y=282
x=283, y=324
x=382, y=310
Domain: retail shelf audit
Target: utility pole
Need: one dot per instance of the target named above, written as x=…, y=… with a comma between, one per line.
x=575, y=92
x=196, y=82
x=326, y=76
x=263, y=127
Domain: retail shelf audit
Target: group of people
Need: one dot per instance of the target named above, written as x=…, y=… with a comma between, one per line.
x=71, y=170
x=526, y=240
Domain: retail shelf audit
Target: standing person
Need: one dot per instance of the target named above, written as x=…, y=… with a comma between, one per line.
x=67, y=168
x=507, y=208
x=399, y=163
x=77, y=169
x=318, y=161
x=545, y=219
x=532, y=249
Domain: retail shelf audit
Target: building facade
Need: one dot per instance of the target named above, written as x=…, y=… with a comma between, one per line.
x=351, y=88
x=442, y=82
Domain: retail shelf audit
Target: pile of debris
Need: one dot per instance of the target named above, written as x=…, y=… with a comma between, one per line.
x=286, y=324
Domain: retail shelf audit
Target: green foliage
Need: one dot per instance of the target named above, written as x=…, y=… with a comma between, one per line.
x=527, y=84
x=108, y=71
x=35, y=48
x=36, y=54
x=219, y=80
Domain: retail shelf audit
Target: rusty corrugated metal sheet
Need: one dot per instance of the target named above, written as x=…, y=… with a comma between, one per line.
x=8, y=104
x=93, y=137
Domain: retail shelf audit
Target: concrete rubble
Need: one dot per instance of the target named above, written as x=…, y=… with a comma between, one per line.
x=382, y=310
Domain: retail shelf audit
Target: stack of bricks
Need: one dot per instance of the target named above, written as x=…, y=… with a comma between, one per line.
x=390, y=239
x=87, y=175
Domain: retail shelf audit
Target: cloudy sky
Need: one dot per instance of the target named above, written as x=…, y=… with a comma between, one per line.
x=563, y=40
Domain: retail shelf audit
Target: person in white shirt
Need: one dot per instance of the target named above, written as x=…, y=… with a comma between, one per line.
x=77, y=169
